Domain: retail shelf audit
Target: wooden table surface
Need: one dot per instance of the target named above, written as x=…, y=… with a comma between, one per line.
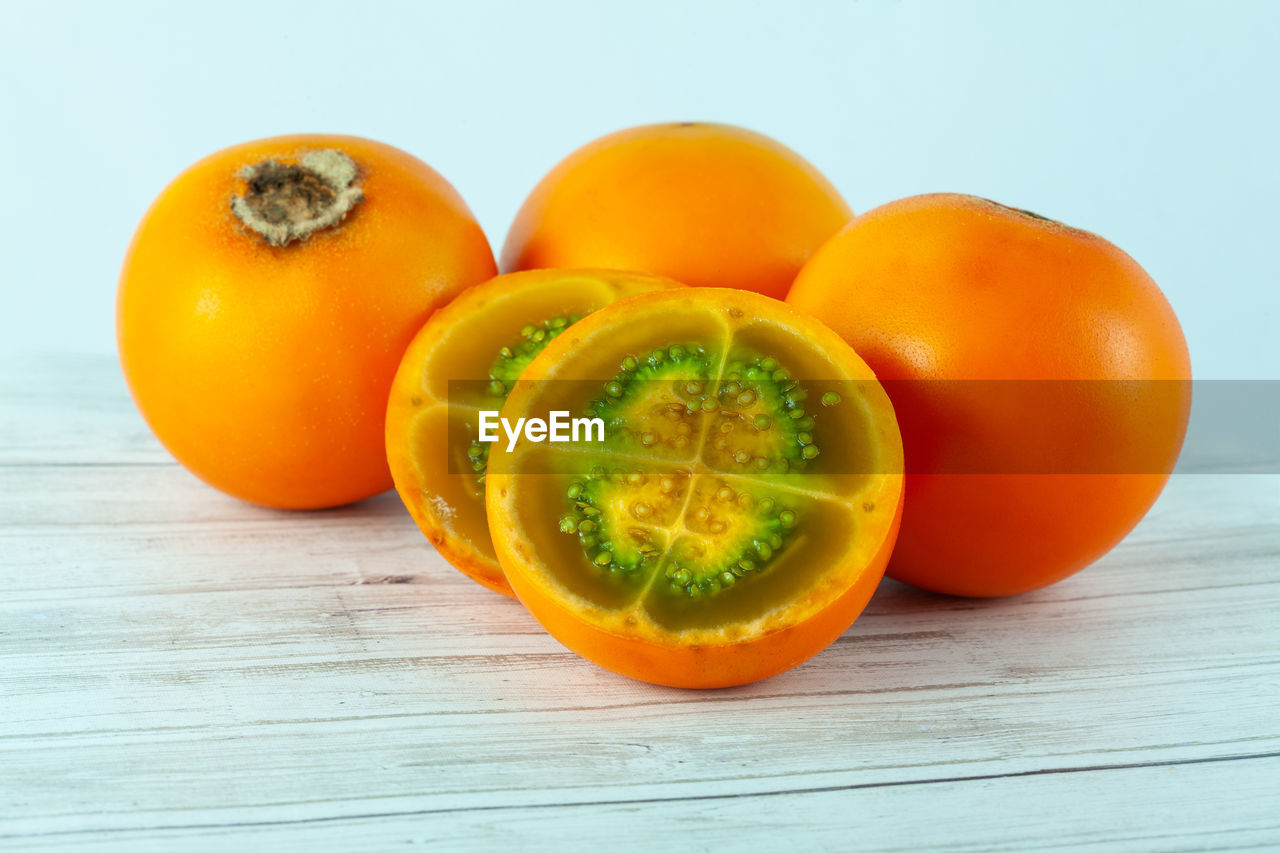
x=180, y=670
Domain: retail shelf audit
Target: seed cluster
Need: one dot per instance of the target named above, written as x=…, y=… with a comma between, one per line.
x=763, y=423
x=752, y=533
x=656, y=400
x=660, y=400
x=512, y=360
x=506, y=369
x=614, y=513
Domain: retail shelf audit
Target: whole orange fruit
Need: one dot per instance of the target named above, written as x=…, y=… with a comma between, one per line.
x=1040, y=377
x=266, y=300
x=709, y=205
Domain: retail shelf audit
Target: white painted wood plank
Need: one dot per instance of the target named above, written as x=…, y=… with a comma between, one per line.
x=1131, y=808
x=172, y=658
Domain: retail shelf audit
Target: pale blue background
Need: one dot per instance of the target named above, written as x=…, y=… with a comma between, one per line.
x=1155, y=124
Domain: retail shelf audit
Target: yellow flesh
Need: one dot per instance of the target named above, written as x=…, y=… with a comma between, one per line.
x=694, y=504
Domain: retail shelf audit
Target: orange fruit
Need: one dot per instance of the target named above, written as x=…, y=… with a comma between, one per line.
x=710, y=205
x=462, y=362
x=266, y=300
x=1040, y=377
x=739, y=509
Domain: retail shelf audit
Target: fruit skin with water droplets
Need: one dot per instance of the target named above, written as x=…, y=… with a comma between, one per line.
x=938, y=291
x=710, y=205
x=671, y=562
x=481, y=341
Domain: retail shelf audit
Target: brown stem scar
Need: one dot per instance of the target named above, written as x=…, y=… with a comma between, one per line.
x=285, y=202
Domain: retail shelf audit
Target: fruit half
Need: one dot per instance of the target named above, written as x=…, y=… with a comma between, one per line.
x=463, y=362
x=740, y=509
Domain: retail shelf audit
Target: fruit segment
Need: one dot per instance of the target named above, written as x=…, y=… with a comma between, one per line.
x=460, y=366
x=711, y=520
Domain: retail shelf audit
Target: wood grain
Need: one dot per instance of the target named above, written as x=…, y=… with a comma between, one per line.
x=182, y=671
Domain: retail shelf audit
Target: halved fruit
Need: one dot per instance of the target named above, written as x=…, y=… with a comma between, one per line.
x=462, y=362
x=740, y=509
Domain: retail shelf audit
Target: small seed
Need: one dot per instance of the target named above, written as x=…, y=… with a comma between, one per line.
x=762, y=422
x=762, y=462
x=496, y=388
x=539, y=336
x=613, y=389
x=677, y=352
x=693, y=388
x=568, y=524
x=746, y=398
x=635, y=478
x=557, y=322
x=475, y=452
x=718, y=527
x=629, y=364
x=810, y=452
x=574, y=491
x=831, y=398
x=640, y=509
x=787, y=518
x=526, y=331
x=709, y=405
x=506, y=352
x=805, y=438
x=602, y=558
x=586, y=526
x=724, y=494
x=742, y=457
x=768, y=364
x=658, y=356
